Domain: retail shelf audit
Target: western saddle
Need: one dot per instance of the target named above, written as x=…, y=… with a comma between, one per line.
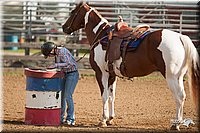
x=120, y=33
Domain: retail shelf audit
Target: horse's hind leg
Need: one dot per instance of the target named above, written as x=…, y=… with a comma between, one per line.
x=176, y=85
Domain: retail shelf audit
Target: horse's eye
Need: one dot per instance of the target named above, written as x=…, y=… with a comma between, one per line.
x=72, y=12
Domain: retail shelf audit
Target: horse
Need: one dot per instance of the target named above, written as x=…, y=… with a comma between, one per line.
x=168, y=52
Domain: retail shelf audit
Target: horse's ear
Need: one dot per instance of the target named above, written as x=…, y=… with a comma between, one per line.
x=79, y=2
x=86, y=2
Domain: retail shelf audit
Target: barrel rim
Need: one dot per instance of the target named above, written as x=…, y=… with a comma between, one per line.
x=41, y=73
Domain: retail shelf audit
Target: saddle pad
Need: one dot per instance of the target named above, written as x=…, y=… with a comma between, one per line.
x=104, y=41
x=133, y=44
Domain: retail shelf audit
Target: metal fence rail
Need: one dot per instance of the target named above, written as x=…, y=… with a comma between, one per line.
x=44, y=19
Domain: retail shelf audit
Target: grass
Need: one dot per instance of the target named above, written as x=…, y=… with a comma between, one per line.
x=13, y=72
x=35, y=51
x=22, y=51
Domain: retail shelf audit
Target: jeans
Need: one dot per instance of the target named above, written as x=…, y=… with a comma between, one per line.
x=70, y=81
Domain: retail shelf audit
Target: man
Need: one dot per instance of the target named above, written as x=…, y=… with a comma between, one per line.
x=66, y=62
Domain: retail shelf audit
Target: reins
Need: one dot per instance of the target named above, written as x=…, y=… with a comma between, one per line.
x=81, y=57
x=74, y=17
x=94, y=42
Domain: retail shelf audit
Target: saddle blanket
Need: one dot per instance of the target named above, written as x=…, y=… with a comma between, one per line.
x=132, y=44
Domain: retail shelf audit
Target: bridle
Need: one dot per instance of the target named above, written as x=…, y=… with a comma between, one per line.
x=95, y=41
x=69, y=28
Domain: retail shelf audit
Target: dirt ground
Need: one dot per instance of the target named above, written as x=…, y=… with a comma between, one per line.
x=142, y=105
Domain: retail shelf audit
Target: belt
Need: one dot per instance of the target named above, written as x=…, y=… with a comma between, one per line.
x=71, y=71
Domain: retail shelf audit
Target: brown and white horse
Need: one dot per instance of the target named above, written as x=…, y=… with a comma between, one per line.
x=171, y=53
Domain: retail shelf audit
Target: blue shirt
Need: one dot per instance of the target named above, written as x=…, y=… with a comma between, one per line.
x=65, y=60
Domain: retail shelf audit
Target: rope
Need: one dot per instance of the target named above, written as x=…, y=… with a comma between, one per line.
x=94, y=42
x=81, y=57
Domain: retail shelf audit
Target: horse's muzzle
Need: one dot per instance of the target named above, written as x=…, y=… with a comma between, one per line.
x=67, y=30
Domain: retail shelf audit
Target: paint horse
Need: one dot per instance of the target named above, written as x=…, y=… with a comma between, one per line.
x=170, y=53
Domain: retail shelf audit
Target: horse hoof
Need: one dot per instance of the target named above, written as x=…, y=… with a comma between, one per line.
x=102, y=124
x=188, y=122
x=110, y=122
x=175, y=127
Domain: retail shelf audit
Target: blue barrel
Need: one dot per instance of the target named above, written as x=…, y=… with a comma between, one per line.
x=12, y=38
x=43, y=97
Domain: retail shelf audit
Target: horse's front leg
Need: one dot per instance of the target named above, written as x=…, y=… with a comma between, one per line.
x=112, y=87
x=102, y=80
x=105, y=98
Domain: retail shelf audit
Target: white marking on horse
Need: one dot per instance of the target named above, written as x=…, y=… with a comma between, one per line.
x=103, y=20
x=171, y=48
x=116, y=66
x=99, y=58
x=173, y=53
x=87, y=15
x=97, y=27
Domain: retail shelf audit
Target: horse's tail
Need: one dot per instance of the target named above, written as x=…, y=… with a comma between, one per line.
x=193, y=62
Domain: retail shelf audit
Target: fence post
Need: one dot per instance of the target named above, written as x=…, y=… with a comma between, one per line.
x=27, y=50
x=163, y=16
x=131, y=17
x=181, y=22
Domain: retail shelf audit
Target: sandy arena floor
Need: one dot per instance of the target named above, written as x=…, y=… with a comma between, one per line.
x=144, y=105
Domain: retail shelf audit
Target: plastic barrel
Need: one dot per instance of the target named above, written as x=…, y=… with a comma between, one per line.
x=11, y=38
x=43, y=97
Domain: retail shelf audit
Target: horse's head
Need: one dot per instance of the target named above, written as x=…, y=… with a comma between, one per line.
x=76, y=19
